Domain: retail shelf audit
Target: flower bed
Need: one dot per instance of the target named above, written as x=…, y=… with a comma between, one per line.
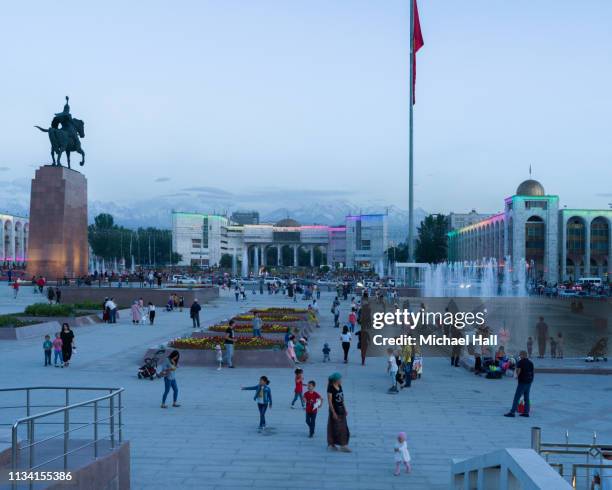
x=268, y=318
x=240, y=343
x=248, y=328
x=275, y=309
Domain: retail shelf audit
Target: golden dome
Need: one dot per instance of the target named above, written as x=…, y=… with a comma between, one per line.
x=287, y=223
x=530, y=187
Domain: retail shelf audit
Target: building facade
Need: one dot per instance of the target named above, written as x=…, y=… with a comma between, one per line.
x=461, y=220
x=557, y=244
x=202, y=239
x=14, y=235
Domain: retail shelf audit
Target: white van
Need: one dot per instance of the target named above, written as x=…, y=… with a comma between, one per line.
x=589, y=281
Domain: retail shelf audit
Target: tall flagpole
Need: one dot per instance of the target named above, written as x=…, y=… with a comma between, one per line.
x=410, y=143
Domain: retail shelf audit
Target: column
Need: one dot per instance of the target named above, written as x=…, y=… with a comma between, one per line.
x=12, y=242
x=245, y=260
x=587, y=247
x=234, y=263
x=279, y=256
x=328, y=261
x=2, y=253
x=256, y=259
x=264, y=259
x=295, y=256
x=609, y=249
x=312, y=256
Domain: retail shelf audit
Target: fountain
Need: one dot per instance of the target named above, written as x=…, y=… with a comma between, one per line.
x=482, y=278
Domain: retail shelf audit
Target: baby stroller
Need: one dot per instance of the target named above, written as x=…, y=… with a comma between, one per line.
x=149, y=369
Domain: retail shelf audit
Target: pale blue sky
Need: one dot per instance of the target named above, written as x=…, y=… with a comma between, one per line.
x=243, y=94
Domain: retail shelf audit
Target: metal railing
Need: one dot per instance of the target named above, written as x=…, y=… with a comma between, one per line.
x=100, y=419
x=593, y=454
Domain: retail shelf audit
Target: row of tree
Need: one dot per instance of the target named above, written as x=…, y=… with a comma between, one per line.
x=147, y=245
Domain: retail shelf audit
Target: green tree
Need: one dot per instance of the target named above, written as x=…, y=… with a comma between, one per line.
x=431, y=244
x=226, y=261
x=399, y=253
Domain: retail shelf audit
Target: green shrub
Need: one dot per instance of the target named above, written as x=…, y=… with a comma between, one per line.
x=13, y=321
x=43, y=309
x=88, y=304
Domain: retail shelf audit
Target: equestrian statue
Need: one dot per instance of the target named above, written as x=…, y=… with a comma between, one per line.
x=65, y=138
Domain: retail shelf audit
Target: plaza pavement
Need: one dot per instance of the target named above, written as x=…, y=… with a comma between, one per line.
x=211, y=441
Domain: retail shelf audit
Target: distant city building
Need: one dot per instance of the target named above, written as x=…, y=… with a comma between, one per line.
x=557, y=244
x=14, y=234
x=245, y=217
x=202, y=239
x=460, y=220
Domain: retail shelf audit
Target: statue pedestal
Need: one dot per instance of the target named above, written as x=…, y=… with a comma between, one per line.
x=58, y=243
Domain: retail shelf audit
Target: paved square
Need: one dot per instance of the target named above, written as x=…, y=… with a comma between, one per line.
x=211, y=441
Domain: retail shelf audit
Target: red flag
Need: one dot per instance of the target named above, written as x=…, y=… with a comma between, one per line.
x=417, y=41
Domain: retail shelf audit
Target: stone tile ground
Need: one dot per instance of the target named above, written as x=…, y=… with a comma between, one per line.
x=211, y=441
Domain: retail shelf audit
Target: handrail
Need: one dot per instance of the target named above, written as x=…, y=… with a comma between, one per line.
x=69, y=407
x=32, y=420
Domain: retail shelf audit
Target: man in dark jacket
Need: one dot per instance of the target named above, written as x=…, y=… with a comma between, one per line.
x=194, y=313
x=524, y=371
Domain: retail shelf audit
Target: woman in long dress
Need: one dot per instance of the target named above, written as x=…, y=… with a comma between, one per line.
x=337, y=428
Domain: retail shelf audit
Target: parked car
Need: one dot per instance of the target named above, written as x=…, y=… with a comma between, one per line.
x=184, y=280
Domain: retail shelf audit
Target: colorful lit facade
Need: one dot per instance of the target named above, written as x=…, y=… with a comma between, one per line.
x=557, y=244
x=202, y=240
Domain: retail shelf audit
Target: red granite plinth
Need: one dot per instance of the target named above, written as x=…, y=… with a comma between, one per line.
x=58, y=223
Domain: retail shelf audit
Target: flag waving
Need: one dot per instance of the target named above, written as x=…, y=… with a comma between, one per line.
x=417, y=43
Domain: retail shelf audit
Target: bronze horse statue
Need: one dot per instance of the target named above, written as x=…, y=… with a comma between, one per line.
x=65, y=139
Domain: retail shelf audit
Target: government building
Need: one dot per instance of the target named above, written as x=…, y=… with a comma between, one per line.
x=203, y=239
x=558, y=244
x=14, y=232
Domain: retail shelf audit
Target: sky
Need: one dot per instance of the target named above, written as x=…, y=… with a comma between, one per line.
x=309, y=99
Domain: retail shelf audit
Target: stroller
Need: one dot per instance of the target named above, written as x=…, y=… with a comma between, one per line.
x=149, y=369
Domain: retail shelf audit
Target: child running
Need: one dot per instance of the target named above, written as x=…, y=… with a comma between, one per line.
x=401, y=454
x=313, y=402
x=299, y=387
x=326, y=351
x=263, y=397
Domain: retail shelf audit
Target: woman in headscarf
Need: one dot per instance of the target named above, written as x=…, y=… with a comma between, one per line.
x=136, y=315
x=337, y=429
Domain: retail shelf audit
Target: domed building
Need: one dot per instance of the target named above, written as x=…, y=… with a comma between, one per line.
x=287, y=223
x=546, y=242
x=360, y=243
x=530, y=187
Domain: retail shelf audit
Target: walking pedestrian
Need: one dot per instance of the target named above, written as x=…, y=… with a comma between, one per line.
x=525, y=375
x=194, y=313
x=363, y=339
x=313, y=402
x=169, y=374
x=230, y=337
x=135, y=309
x=151, y=308
x=15, y=288
x=263, y=398
x=402, y=456
x=338, y=433
x=257, y=324
x=352, y=319
x=345, y=338
x=298, y=392
x=68, y=345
